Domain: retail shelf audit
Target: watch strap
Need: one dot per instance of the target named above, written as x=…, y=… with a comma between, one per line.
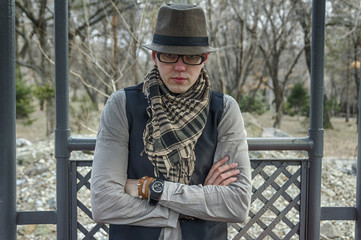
x=155, y=194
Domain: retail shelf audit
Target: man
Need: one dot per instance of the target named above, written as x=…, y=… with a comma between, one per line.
x=171, y=158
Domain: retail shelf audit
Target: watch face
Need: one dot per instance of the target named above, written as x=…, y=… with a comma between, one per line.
x=157, y=186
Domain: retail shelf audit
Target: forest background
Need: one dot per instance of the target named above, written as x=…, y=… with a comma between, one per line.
x=263, y=58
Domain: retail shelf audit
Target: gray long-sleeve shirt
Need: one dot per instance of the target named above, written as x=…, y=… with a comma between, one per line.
x=110, y=203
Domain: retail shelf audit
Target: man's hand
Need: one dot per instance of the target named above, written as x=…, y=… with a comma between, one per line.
x=131, y=187
x=222, y=174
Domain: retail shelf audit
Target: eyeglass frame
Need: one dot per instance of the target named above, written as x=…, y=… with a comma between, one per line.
x=203, y=58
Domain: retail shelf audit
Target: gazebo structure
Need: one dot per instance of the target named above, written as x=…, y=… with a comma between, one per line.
x=302, y=174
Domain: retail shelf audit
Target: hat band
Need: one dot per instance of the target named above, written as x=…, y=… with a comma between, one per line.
x=180, y=41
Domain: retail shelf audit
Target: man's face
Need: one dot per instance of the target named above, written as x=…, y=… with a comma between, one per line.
x=178, y=77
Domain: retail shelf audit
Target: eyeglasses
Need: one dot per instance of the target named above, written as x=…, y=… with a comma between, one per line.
x=187, y=59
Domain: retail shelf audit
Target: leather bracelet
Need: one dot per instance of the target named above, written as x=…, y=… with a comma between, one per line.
x=140, y=187
x=147, y=195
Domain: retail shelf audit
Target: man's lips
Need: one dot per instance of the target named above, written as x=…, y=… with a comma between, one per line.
x=179, y=79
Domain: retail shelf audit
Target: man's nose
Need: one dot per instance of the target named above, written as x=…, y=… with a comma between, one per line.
x=180, y=65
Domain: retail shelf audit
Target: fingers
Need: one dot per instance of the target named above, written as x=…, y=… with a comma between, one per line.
x=221, y=173
x=226, y=178
x=215, y=167
x=228, y=181
x=210, y=178
x=221, y=162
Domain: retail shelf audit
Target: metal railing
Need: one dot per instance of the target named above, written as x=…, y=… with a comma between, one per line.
x=277, y=210
x=296, y=181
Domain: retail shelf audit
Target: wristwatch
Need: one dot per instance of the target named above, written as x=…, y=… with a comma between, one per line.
x=156, y=190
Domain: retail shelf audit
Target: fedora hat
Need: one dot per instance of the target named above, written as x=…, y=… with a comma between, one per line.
x=181, y=29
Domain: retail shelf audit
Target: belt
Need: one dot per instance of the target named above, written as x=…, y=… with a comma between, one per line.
x=183, y=217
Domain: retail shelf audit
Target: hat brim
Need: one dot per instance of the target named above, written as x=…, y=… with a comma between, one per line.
x=185, y=50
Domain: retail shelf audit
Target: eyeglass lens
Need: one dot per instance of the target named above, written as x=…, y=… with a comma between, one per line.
x=187, y=59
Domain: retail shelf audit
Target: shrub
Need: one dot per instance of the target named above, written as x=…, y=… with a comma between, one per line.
x=298, y=102
x=253, y=105
x=44, y=93
x=24, y=97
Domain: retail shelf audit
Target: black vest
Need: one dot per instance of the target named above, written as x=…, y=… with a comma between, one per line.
x=139, y=166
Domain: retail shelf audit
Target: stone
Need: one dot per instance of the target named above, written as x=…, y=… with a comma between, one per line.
x=20, y=181
x=26, y=157
x=274, y=132
x=353, y=168
x=51, y=202
x=21, y=142
x=28, y=229
x=36, y=170
x=328, y=230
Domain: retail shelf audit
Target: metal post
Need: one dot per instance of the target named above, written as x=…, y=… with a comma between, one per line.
x=316, y=120
x=62, y=131
x=7, y=122
x=358, y=183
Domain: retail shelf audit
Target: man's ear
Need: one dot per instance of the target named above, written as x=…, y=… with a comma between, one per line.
x=154, y=57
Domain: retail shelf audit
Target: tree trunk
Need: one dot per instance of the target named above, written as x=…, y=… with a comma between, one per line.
x=50, y=116
x=347, y=104
x=326, y=115
x=356, y=76
x=278, y=104
x=115, y=59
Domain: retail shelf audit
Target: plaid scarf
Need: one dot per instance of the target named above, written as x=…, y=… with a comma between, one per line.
x=174, y=126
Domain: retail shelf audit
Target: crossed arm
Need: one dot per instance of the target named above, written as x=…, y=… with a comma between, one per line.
x=220, y=174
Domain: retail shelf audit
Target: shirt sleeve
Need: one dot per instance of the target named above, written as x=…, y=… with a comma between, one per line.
x=110, y=203
x=218, y=203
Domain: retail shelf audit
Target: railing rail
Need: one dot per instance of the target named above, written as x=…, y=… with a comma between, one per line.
x=7, y=122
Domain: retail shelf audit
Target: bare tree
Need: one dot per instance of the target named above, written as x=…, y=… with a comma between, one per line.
x=38, y=19
x=279, y=24
x=234, y=32
x=344, y=42
x=303, y=11
x=94, y=64
x=246, y=41
x=259, y=44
